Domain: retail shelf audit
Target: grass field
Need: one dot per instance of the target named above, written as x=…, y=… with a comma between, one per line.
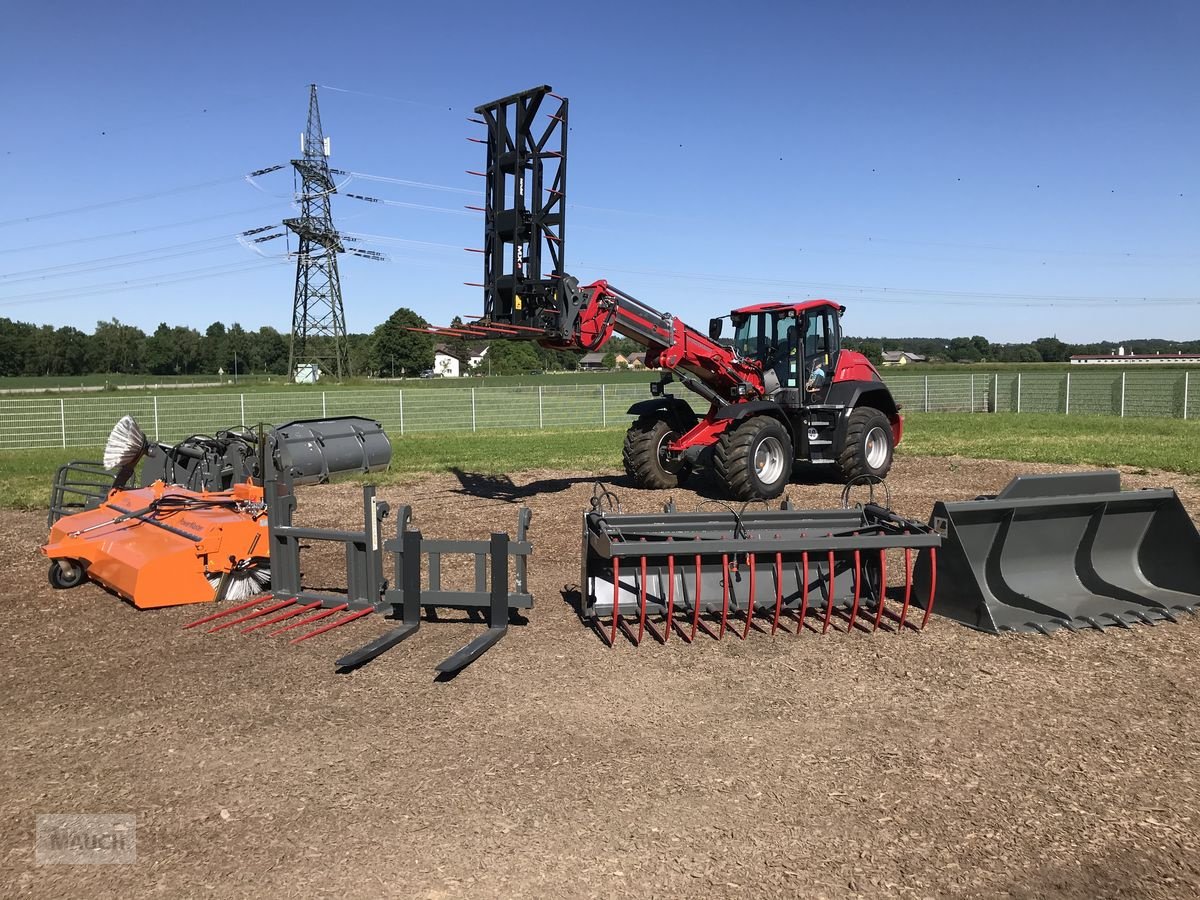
x=1164, y=444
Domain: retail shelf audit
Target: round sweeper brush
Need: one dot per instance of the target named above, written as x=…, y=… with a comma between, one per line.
x=246, y=580
x=126, y=444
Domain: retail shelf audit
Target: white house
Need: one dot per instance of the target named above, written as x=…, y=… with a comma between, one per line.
x=446, y=364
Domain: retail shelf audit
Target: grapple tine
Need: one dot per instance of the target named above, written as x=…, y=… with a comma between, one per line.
x=908, y=585
x=670, y=594
x=254, y=615
x=828, y=594
x=228, y=612
x=282, y=616
x=778, y=591
x=616, y=610
x=724, y=594
x=803, y=594
x=882, y=589
x=642, y=603
x=857, y=590
x=696, y=603
x=932, y=586
x=358, y=614
x=309, y=619
x=749, y=600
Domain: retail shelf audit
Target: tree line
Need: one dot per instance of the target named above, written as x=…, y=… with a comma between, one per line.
x=392, y=349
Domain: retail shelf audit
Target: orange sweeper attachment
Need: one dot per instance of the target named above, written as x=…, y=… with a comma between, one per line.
x=198, y=530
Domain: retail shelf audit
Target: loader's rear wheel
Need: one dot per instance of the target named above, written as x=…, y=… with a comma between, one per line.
x=65, y=573
x=645, y=454
x=869, y=444
x=755, y=461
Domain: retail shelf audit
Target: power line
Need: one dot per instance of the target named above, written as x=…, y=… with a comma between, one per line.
x=139, y=284
x=114, y=234
x=138, y=198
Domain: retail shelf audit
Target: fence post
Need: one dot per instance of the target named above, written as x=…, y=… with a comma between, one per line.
x=603, y=408
x=1067, y=411
x=472, y=409
x=324, y=414
x=62, y=418
x=241, y=402
x=541, y=414
x=926, y=393
x=1122, y=395
x=1018, y=392
x=995, y=392
x=1185, y=394
x=972, y=392
x=156, y=437
x=401, y=393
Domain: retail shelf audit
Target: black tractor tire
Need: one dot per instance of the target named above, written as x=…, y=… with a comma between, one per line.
x=869, y=445
x=754, y=461
x=66, y=573
x=645, y=443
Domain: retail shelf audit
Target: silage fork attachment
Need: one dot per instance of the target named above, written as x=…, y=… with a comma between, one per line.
x=738, y=570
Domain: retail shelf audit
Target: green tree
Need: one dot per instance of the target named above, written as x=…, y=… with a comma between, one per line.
x=1051, y=349
x=512, y=358
x=396, y=348
x=610, y=359
x=872, y=351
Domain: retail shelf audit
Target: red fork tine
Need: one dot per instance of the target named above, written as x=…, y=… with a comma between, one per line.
x=778, y=590
x=254, y=615
x=907, y=589
x=803, y=594
x=749, y=599
x=932, y=585
x=642, y=604
x=857, y=589
x=229, y=612
x=282, y=616
x=332, y=625
x=725, y=594
x=670, y=594
x=882, y=588
x=616, y=610
x=828, y=594
x=696, y=603
x=308, y=619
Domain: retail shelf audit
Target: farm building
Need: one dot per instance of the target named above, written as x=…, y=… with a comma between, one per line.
x=901, y=358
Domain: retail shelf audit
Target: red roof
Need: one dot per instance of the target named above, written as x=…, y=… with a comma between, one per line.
x=779, y=305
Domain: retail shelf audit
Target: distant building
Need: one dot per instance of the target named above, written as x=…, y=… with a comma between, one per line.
x=637, y=360
x=592, y=362
x=901, y=358
x=1136, y=359
x=448, y=365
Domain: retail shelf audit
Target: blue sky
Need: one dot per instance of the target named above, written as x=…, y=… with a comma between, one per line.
x=1013, y=170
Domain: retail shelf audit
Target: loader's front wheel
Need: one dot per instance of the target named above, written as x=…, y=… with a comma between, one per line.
x=755, y=461
x=869, y=444
x=65, y=573
x=645, y=454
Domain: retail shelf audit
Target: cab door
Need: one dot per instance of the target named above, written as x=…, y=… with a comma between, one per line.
x=818, y=353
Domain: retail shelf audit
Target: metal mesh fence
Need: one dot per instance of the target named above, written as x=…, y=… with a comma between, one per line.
x=85, y=421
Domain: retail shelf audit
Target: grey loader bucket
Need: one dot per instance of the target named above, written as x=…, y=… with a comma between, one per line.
x=1063, y=551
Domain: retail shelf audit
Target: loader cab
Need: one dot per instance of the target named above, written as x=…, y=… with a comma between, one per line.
x=796, y=345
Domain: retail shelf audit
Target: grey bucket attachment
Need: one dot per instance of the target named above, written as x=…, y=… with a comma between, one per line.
x=1063, y=551
x=704, y=571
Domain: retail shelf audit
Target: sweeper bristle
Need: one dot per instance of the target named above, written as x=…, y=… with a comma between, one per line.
x=241, y=584
x=125, y=444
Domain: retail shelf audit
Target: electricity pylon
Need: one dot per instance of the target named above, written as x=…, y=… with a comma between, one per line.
x=318, y=320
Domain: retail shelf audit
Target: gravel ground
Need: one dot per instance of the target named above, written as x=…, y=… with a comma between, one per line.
x=945, y=763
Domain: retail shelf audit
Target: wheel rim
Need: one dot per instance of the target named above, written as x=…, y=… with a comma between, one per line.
x=768, y=460
x=875, y=447
x=667, y=464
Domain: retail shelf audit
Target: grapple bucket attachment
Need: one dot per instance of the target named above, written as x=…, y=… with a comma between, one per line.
x=713, y=572
x=1063, y=551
